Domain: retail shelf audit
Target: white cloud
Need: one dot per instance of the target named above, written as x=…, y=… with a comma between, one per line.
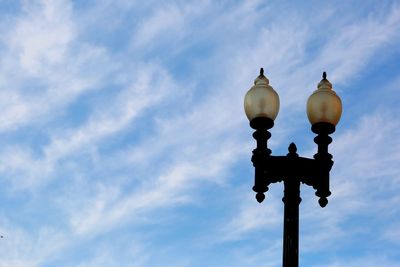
x=103, y=257
x=43, y=35
x=367, y=261
x=392, y=232
x=352, y=48
x=167, y=19
x=173, y=185
x=194, y=127
x=144, y=89
x=252, y=217
x=22, y=248
x=44, y=67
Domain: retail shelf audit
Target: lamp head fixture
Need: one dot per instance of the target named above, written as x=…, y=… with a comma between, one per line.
x=324, y=105
x=261, y=101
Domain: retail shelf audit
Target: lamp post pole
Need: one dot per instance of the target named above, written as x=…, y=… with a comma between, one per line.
x=291, y=201
x=324, y=109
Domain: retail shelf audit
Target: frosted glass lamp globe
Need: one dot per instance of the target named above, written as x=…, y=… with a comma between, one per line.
x=261, y=101
x=324, y=105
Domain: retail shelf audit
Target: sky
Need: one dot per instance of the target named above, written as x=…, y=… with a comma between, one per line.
x=123, y=139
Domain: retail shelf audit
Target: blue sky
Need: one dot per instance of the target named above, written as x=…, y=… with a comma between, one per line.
x=123, y=140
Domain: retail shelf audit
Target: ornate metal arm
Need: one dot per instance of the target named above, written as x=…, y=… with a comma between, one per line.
x=271, y=169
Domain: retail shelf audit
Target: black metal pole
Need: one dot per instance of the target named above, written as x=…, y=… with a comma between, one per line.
x=291, y=202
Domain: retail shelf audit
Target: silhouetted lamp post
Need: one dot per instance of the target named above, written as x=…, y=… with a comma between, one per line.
x=324, y=109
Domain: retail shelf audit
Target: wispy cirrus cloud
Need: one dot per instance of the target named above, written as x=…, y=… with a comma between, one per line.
x=127, y=120
x=44, y=68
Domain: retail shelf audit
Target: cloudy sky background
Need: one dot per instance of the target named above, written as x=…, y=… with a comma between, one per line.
x=123, y=140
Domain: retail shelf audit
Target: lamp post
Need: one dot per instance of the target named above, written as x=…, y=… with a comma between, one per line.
x=324, y=109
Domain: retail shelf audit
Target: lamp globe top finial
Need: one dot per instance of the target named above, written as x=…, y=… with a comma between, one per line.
x=324, y=83
x=261, y=79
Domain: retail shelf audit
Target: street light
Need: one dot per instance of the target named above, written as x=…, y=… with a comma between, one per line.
x=324, y=109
